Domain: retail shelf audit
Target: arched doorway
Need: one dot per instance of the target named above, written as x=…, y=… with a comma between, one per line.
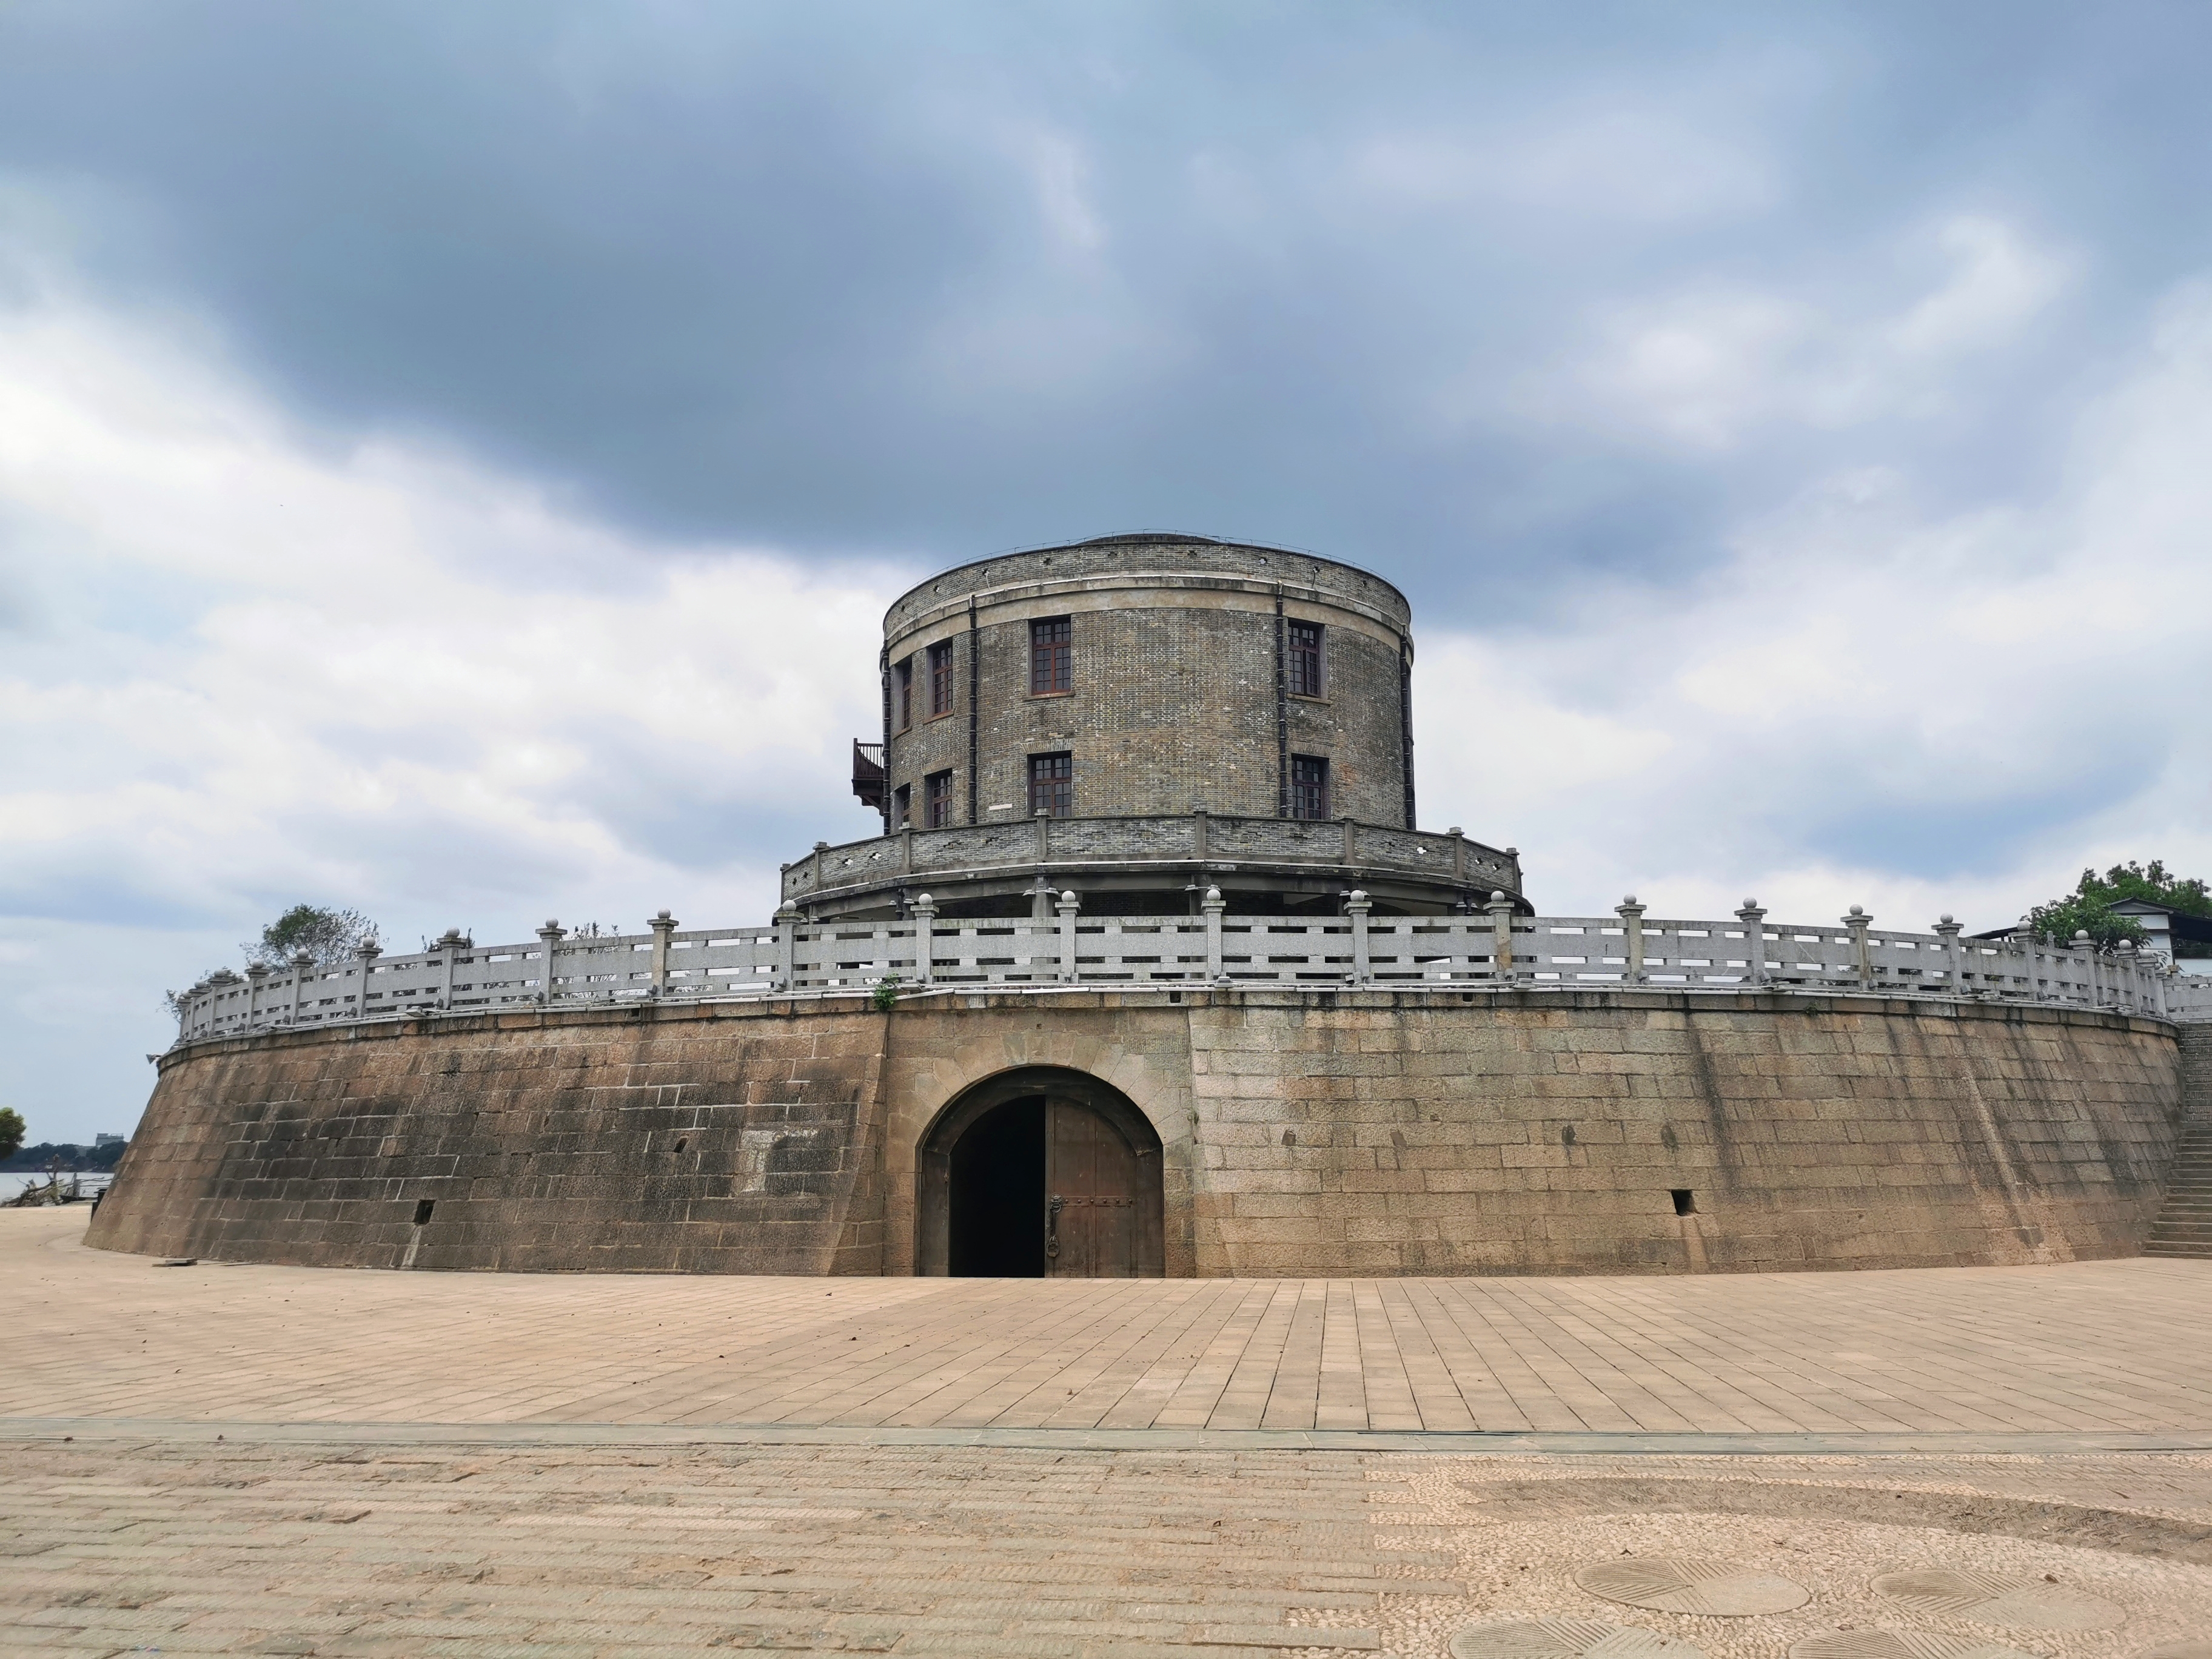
x=1043, y=1173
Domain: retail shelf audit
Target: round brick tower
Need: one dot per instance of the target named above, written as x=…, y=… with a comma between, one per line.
x=1083, y=711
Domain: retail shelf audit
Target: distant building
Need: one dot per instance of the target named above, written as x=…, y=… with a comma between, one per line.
x=2183, y=939
x=107, y=1140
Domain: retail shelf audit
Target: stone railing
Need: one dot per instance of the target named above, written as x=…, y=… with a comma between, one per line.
x=1191, y=839
x=1496, y=950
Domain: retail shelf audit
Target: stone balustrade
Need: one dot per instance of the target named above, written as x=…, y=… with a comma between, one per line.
x=1191, y=839
x=1495, y=949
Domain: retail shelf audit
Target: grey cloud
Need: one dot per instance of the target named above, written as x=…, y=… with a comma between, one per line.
x=937, y=281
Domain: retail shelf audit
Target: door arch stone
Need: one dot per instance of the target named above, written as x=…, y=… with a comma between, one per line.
x=1000, y=1152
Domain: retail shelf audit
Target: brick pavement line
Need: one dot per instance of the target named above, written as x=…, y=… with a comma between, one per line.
x=1474, y=1323
x=781, y=1387
x=1469, y=1388
x=1027, y=1361
x=1032, y=1354
x=775, y=1371
x=1040, y=1396
x=1153, y=1393
x=1713, y=1386
x=1761, y=1372
x=1684, y=1399
x=1294, y=1391
x=1722, y=1361
x=1596, y=1361
x=1436, y=1402
x=1243, y=1400
x=1116, y=1389
x=1200, y=1392
x=1514, y=1353
x=1393, y=1398
x=2043, y=1360
x=1342, y=1387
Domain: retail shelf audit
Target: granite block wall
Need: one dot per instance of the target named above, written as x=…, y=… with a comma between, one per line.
x=1318, y=1132
x=599, y=1143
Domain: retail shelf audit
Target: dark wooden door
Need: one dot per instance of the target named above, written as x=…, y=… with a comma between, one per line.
x=1091, y=1195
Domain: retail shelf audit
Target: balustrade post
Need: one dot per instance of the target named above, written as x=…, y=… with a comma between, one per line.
x=255, y=973
x=1459, y=853
x=2031, y=954
x=451, y=944
x=302, y=962
x=1069, y=903
x=2085, y=964
x=2160, y=971
x=1213, y=905
x=664, y=927
x=787, y=948
x=548, y=945
x=1501, y=936
x=1949, y=930
x=905, y=849
x=924, y=911
x=1357, y=905
x=1858, y=921
x=1754, y=941
x=2123, y=978
x=368, y=954
x=1632, y=925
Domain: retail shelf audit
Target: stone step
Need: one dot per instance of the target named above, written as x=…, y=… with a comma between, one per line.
x=2190, y=1252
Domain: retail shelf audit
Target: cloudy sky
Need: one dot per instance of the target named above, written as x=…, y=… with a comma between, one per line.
x=452, y=458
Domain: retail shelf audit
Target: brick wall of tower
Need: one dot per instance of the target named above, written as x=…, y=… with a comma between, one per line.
x=1174, y=694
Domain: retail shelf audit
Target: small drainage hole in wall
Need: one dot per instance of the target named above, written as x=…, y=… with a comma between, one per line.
x=680, y=1142
x=423, y=1208
x=1685, y=1201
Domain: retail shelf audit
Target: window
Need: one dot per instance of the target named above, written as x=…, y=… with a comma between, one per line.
x=1050, y=665
x=1052, y=785
x=1309, y=786
x=1305, y=661
x=941, y=679
x=904, y=678
x=901, y=806
x=937, y=800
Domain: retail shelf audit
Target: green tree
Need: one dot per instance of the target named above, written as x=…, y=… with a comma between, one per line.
x=328, y=936
x=2087, y=908
x=11, y=1131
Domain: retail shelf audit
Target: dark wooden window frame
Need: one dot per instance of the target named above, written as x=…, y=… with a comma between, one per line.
x=941, y=679
x=1309, y=788
x=903, y=675
x=1052, y=784
x=1052, y=656
x=1308, y=659
x=937, y=800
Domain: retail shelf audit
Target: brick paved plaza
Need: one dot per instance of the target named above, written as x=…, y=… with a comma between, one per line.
x=253, y=1459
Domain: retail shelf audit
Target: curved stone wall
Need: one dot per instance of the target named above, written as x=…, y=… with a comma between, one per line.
x=1316, y=1133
